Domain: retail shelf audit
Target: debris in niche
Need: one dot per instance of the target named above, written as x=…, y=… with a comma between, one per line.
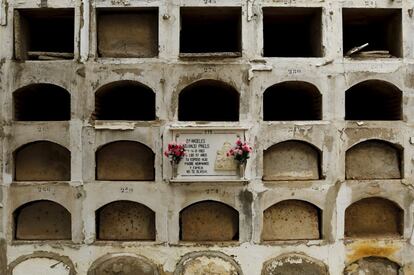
x=356, y=52
x=49, y=55
x=373, y=54
x=356, y=49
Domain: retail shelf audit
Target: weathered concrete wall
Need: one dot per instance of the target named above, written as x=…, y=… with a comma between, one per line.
x=293, y=175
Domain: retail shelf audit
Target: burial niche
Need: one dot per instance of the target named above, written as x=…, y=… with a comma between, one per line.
x=374, y=217
x=209, y=221
x=42, y=220
x=125, y=221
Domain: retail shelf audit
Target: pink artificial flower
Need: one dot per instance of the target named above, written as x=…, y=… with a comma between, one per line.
x=238, y=142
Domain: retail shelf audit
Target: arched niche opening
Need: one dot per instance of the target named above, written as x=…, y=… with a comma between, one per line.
x=373, y=266
x=294, y=264
x=124, y=264
x=42, y=161
x=125, y=160
x=125, y=221
x=373, y=100
x=209, y=221
x=374, y=217
x=373, y=159
x=292, y=220
x=42, y=262
x=292, y=100
x=125, y=100
x=42, y=220
x=41, y=102
x=292, y=160
x=208, y=100
x=207, y=263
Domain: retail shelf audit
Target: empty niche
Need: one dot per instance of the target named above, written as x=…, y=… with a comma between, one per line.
x=41, y=262
x=291, y=160
x=211, y=31
x=292, y=100
x=373, y=266
x=127, y=33
x=124, y=100
x=292, y=32
x=42, y=220
x=126, y=221
x=373, y=159
x=208, y=100
x=373, y=100
x=374, y=217
x=44, y=34
x=41, y=102
x=294, y=264
x=42, y=161
x=44, y=266
x=209, y=221
x=126, y=264
x=291, y=220
x=125, y=160
x=207, y=263
x=380, y=28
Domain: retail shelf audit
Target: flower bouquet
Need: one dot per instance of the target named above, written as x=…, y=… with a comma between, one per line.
x=241, y=153
x=175, y=152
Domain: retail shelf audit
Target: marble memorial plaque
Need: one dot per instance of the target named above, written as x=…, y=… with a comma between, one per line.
x=206, y=154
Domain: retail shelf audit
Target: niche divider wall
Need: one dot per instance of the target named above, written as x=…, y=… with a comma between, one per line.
x=167, y=73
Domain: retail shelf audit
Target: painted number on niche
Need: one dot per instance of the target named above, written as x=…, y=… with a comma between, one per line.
x=294, y=71
x=288, y=2
x=210, y=1
x=126, y=190
x=44, y=189
x=42, y=129
x=370, y=3
x=209, y=69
